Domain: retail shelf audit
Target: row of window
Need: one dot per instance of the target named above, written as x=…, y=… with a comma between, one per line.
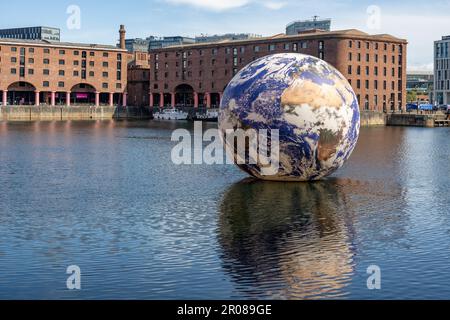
x=385, y=102
x=375, y=84
x=375, y=71
x=443, y=64
x=443, y=75
x=61, y=84
x=442, y=50
x=46, y=72
x=166, y=86
x=443, y=85
x=105, y=64
x=63, y=52
x=200, y=73
x=367, y=59
x=256, y=48
x=375, y=45
x=188, y=63
x=285, y=46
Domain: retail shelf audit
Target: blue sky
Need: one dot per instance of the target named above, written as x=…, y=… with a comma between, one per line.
x=421, y=22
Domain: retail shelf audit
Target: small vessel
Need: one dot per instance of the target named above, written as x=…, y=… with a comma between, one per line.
x=209, y=115
x=171, y=114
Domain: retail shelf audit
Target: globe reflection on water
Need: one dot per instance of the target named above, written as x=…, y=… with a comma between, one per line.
x=296, y=235
x=105, y=196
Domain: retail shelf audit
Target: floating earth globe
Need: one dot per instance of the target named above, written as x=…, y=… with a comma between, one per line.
x=308, y=101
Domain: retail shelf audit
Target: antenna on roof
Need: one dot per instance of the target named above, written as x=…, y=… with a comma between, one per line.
x=315, y=18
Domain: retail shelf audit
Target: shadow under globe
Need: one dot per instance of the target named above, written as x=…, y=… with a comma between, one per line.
x=287, y=241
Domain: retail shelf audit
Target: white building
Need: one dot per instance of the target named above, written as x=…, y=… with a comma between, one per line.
x=442, y=71
x=297, y=27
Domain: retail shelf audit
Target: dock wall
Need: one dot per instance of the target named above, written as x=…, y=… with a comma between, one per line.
x=62, y=113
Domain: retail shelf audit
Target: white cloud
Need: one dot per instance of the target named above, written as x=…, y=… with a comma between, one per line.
x=421, y=67
x=221, y=5
x=215, y=5
x=274, y=5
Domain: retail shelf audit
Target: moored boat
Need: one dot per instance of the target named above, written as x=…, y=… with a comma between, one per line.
x=171, y=114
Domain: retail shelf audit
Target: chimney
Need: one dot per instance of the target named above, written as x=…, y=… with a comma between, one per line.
x=122, y=33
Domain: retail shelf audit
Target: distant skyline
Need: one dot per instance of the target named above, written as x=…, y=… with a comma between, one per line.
x=419, y=22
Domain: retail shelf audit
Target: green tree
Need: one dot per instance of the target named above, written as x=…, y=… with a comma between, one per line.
x=411, y=96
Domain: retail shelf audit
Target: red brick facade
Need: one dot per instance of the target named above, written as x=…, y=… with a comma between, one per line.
x=38, y=72
x=196, y=75
x=138, y=86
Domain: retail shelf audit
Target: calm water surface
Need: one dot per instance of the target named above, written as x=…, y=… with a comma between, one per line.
x=105, y=196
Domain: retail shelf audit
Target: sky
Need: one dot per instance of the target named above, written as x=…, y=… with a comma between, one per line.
x=420, y=22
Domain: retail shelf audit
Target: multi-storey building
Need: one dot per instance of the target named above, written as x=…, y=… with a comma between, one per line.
x=227, y=36
x=303, y=25
x=32, y=33
x=137, y=44
x=158, y=43
x=34, y=72
x=419, y=86
x=138, y=84
x=196, y=75
x=442, y=71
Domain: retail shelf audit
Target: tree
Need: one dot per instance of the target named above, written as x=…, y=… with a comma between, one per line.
x=411, y=96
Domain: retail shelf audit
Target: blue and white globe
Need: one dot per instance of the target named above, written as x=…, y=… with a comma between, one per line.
x=311, y=104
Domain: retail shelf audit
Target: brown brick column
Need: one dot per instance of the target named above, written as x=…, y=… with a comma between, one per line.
x=208, y=100
x=172, y=95
x=195, y=100
x=36, y=100
x=97, y=99
x=111, y=99
x=161, y=100
x=53, y=98
x=5, y=98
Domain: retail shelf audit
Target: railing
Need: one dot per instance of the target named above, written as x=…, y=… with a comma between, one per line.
x=62, y=105
x=189, y=110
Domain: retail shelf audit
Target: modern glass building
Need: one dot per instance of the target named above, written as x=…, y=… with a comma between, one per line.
x=224, y=37
x=152, y=43
x=303, y=25
x=32, y=33
x=442, y=71
x=137, y=44
x=158, y=43
x=421, y=84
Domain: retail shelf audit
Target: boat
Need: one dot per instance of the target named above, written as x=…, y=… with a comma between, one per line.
x=210, y=115
x=171, y=114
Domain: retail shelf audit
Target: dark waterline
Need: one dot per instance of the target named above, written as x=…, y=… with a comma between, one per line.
x=106, y=196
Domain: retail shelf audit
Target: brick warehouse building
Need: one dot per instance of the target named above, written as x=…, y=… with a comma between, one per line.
x=138, y=84
x=196, y=75
x=34, y=72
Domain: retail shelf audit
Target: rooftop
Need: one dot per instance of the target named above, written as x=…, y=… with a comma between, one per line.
x=420, y=72
x=312, y=34
x=20, y=28
x=57, y=44
x=315, y=19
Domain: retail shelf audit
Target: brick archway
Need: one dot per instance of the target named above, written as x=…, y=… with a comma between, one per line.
x=184, y=96
x=22, y=93
x=83, y=93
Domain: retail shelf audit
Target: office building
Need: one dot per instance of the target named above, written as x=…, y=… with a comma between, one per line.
x=297, y=27
x=442, y=71
x=32, y=33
